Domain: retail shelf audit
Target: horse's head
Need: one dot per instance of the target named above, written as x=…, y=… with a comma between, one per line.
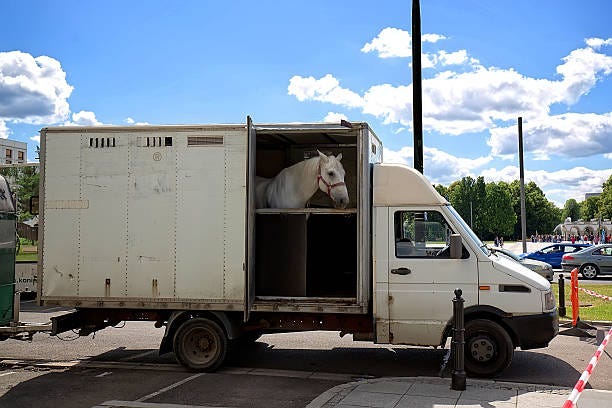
x=331, y=179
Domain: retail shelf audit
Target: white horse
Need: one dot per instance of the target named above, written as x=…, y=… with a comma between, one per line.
x=295, y=185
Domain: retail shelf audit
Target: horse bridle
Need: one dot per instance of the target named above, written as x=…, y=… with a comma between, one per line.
x=329, y=186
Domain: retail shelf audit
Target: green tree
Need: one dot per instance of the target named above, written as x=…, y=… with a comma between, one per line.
x=498, y=215
x=571, y=209
x=443, y=191
x=542, y=216
x=24, y=182
x=460, y=196
x=590, y=208
x=605, y=199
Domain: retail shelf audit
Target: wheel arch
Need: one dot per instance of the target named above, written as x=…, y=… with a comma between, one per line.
x=230, y=326
x=482, y=312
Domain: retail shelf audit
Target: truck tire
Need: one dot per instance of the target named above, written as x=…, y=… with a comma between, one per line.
x=200, y=345
x=488, y=348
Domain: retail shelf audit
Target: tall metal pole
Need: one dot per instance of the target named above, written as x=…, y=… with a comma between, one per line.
x=522, y=181
x=417, y=98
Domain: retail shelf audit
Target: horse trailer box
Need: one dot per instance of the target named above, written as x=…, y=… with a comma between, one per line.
x=164, y=217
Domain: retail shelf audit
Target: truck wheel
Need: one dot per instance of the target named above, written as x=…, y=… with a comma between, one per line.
x=200, y=345
x=488, y=348
x=589, y=271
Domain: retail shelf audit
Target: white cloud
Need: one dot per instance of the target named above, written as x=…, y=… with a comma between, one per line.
x=443, y=168
x=432, y=38
x=84, y=118
x=325, y=89
x=474, y=100
x=394, y=42
x=564, y=184
x=35, y=139
x=560, y=185
x=4, y=131
x=439, y=167
x=334, y=117
x=571, y=135
x=390, y=42
x=131, y=121
x=581, y=69
x=453, y=58
x=597, y=43
x=32, y=89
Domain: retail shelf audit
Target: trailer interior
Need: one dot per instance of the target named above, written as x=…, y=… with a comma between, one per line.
x=312, y=252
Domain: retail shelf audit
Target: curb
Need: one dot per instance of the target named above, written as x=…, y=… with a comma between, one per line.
x=336, y=394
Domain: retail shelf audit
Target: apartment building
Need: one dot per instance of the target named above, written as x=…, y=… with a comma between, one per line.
x=12, y=152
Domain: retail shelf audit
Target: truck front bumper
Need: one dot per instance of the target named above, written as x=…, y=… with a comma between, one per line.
x=534, y=331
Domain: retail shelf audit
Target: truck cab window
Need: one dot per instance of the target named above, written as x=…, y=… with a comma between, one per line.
x=421, y=234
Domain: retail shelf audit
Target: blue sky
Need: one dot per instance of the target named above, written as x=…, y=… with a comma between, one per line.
x=485, y=63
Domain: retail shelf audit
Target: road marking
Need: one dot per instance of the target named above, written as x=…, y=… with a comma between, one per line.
x=104, y=374
x=170, y=387
x=134, y=404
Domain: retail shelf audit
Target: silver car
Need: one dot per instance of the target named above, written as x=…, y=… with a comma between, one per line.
x=542, y=268
x=591, y=262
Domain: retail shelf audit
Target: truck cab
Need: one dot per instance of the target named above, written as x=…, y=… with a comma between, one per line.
x=506, y=305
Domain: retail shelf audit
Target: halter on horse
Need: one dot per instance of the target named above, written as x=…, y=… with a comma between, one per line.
x=294, y=186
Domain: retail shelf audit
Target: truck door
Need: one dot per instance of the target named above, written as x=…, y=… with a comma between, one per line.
x=249, y=256
x=422, y=276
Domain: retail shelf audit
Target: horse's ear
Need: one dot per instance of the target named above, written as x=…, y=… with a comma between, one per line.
x=322, y=156
x=339, y=157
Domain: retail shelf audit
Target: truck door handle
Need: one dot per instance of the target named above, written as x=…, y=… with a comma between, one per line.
x=401, y=271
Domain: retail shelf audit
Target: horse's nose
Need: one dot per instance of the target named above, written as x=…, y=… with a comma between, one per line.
x=342, y=202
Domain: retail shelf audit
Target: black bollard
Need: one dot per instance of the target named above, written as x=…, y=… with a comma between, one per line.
x=562, y=310
x=458, y=343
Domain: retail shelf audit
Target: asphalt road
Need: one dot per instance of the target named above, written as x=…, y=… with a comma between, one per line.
x=283, y=370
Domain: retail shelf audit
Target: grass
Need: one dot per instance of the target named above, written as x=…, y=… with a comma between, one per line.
x=27, y=252
x=591, y=308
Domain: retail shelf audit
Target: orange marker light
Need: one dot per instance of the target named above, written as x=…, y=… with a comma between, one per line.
x=484, y=287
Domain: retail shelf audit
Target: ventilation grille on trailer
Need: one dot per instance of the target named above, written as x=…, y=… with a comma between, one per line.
x=99, y=142
x=204, y=140
x=154, y=141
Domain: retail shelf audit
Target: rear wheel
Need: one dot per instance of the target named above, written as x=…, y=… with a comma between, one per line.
x=488, y=348
x=200, y=344
x=589, y=271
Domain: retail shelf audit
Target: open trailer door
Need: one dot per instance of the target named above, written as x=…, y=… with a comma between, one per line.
x=249, y=287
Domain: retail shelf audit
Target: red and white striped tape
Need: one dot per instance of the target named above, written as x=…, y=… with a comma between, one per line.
x=592, y=293
x=584, y=378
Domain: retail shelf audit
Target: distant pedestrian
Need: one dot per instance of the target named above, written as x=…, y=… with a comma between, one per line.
x=501, y=242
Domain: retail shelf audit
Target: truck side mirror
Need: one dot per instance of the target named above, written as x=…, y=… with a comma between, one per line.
x=456, y=246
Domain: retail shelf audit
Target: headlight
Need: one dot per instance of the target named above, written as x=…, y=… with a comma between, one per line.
x=549, y=300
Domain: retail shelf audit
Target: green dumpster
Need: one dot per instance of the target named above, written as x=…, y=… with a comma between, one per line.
x=8, y=224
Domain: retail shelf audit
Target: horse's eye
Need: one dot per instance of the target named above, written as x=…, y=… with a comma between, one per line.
x=330, y=173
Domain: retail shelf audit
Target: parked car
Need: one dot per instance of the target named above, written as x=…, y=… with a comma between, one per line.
x=543, y=268
x=552, y=254
x=591, y=261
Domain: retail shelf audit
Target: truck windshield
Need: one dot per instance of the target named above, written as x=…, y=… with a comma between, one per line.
x=467, y=228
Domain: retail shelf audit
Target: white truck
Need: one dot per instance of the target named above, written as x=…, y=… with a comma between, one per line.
x=159, y=223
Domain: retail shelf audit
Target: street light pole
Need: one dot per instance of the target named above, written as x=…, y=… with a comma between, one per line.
x=417, y=91
x=522, y=181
